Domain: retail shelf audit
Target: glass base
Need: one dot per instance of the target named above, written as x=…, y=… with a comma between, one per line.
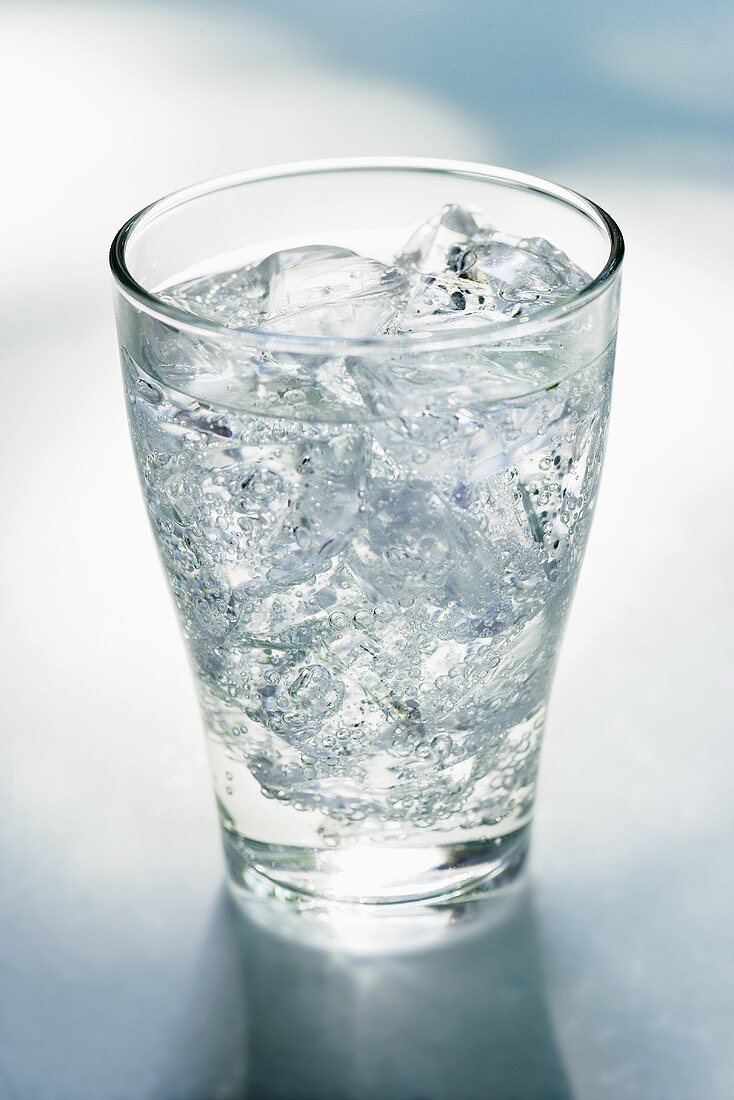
x=373, y=896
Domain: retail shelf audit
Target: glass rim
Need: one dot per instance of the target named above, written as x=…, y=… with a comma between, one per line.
x=436, y=340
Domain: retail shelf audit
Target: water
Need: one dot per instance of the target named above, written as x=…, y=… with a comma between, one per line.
x=372, y=558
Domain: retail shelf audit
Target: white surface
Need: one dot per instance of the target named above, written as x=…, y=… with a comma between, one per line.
x=122, y=973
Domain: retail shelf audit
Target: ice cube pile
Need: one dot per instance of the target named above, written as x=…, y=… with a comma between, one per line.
x=454, y=270
x=371, y=582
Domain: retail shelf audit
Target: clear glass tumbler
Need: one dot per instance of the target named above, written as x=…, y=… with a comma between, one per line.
x=372, y=542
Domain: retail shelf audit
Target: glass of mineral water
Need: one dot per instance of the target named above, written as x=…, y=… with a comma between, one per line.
x=368, y=402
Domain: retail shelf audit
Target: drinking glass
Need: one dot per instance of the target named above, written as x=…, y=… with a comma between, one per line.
x=372, y=541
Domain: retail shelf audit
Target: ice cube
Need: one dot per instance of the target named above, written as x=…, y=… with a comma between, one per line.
x=327, y=291
x=530, y=273
x=353, y=318
x=240, y=298
x=231, y=298
x=302, y=700
x=416, y=549
x=470, y=268
x=312, y=290
x=306, y=277
x=436, y=245
x=324, y=507
x=303, y=258
x=405, y=545
x=437, y=301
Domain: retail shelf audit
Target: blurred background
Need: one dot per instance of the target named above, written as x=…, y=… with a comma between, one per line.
x=123, y=973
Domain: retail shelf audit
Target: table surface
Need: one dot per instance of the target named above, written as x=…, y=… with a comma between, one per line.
x=124, y=971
